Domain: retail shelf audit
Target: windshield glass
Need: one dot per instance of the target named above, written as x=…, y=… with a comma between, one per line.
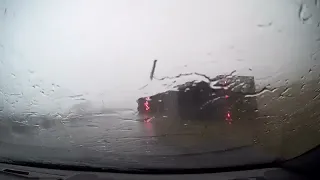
x=162, y=83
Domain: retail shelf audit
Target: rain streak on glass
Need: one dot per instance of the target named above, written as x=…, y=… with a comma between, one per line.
x=173, y=82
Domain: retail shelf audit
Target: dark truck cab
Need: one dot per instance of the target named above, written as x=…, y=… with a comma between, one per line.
x=223, y=99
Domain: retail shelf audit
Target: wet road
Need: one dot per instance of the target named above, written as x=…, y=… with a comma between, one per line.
x=109, y=138
x=111, y=134
x=106, y=139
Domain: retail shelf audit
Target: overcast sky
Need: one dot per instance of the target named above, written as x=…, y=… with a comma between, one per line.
x=104, y=49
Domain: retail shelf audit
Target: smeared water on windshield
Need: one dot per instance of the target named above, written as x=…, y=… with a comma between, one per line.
x=186, y=84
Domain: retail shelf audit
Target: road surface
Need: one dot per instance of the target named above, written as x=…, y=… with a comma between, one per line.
x=284, y=128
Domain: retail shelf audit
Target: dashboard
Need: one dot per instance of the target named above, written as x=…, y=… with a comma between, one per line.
x=14, y=172
x=305, y=166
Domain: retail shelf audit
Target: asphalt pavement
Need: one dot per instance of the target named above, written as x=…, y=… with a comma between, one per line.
x=283, y=128
x=157, y=143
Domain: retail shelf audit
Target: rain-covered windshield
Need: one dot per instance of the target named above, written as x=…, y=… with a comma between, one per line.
x=162, y=83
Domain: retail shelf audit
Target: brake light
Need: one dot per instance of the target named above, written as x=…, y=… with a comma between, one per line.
x=146, y=104
x=148, y=120
x=228, y=118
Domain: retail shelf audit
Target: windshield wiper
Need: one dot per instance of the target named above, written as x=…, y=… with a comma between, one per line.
x=84, y=168
x=29, y=175
x=78, y=167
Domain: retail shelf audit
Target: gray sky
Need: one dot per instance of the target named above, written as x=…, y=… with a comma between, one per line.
x=104, y=49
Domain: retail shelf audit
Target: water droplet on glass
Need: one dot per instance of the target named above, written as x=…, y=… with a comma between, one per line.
x=265, y=25
x=304, y=13
x=261, y=92
x=267, y=131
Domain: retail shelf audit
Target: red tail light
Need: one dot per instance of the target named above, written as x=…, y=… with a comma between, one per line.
x=146, y=104
x=228, y=117
x=148, y=120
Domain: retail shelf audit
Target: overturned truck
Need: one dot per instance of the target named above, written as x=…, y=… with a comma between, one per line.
x=223, y=98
